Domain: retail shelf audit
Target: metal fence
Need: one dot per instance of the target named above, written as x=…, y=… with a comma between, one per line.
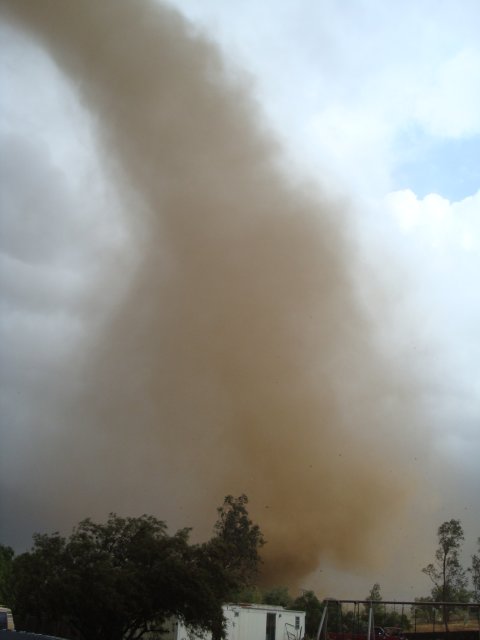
x=398, y=620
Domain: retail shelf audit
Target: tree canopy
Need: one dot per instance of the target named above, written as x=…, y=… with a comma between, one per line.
x=123, y=579
x=238, y=540
x=312, y=606
x=126, y=577
x=475, y=572
x=6, y=562
x=278, y=596
x=231, y=558
x=447, y=574
x=382, y=615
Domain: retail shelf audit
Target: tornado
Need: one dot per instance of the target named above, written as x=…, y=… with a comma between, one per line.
x=239, y=355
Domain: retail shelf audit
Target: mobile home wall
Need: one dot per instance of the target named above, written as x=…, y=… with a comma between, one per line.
x=251, y=622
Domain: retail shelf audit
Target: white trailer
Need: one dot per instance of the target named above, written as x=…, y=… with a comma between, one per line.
x=6, y=619
x=250, y=622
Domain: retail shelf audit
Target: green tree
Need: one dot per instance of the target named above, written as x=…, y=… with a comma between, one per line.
x=37, y=579
x=278, y=596
x=423, y=612
x=238, y=540
x=231, y=558
x=118, y=580
x=253, y=595
x=123, y=579
x=312, y=606
x=6, y=562
x=375, y=594
x=381, y=614
x=375, y=597
x=446, y=573
x=475, y=573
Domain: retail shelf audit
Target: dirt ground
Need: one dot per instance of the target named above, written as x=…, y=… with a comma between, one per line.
x=453, y=625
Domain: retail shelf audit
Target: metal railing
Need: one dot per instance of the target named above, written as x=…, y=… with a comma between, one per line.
x=367, y=630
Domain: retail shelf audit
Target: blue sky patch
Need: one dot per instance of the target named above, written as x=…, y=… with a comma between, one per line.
x=450, y=168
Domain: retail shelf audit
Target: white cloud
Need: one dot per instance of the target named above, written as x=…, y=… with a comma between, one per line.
x=449, y=104
x=441, y=224
x=440, y=244
x=56, y=246
x=343, y=83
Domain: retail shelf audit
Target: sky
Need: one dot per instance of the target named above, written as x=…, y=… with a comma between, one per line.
x=373, y=105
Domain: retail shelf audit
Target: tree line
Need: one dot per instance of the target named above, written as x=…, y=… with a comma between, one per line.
x=123, y=579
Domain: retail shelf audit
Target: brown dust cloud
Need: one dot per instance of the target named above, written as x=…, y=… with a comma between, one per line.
x=239, y=357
